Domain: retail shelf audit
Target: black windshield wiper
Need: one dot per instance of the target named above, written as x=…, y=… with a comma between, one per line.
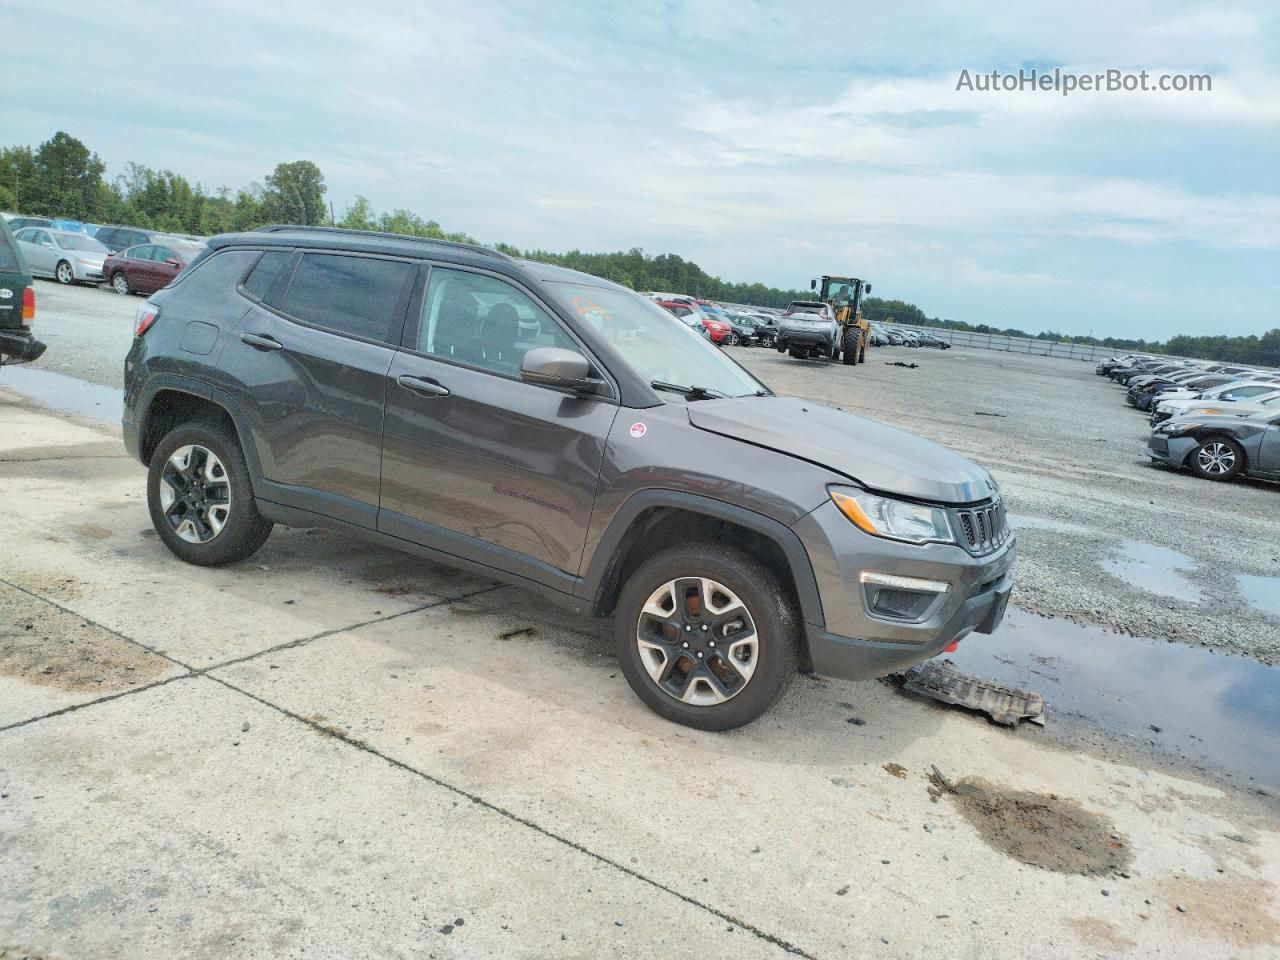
x=690, y=393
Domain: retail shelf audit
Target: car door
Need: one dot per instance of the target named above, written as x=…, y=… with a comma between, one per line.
x=1269, y=448
x=307, y=366
x=137, y=268
x=162, y=269
x=39, y=251
x=475, y=461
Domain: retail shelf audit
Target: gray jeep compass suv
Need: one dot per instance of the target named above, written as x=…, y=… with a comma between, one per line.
x=560, y=432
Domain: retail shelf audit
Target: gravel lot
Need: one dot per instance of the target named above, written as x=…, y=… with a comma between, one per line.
x=1104, y=537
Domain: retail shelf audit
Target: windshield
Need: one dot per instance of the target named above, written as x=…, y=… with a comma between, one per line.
x=79, y=242
x=656, y=344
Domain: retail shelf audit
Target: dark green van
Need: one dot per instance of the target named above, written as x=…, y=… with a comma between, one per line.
x=17, y=303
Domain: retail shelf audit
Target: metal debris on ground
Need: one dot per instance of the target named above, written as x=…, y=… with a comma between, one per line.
x=899, y=363
x=940, y=680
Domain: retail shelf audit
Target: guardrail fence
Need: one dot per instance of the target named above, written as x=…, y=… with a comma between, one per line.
x=996, y=341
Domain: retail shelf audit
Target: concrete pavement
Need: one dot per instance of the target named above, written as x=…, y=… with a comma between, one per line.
x=336, y=750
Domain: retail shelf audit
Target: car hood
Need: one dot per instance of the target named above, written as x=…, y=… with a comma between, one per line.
x=1230, y=408
x=877, y=456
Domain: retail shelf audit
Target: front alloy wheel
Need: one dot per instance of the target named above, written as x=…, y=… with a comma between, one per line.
x=1218, y=458
x=195, y=493
x=120, y=284
x=64, y=273
x=697, y=641
x=707, y=635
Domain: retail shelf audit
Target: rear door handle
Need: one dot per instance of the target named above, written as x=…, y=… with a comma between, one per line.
x=428, y=387
x=259, y=342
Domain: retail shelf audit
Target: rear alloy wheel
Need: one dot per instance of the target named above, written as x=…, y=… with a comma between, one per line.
x=201, y=497
x=1218, y=458
x=706, y=636
x=64, y=274
x=120, y=283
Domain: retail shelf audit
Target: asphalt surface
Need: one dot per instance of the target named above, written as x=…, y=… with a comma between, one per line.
x=334, y=750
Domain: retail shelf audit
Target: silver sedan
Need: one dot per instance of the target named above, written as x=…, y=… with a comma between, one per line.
x=62, y=255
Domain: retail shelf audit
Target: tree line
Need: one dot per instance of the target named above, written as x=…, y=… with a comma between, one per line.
x=62, y=177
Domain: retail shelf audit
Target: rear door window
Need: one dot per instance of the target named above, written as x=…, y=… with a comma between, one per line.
x=142, y=252
x=357, y=296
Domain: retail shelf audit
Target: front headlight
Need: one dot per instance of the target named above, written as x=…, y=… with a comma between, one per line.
x=1171, y=427
x=895, y=519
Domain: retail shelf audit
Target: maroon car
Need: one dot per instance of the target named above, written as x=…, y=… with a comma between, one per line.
x=147, y=267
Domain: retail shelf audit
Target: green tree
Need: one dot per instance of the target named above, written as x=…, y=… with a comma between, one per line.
x=295, y=194
x=67, y=176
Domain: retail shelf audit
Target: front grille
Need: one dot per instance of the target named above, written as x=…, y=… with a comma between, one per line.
x=982, y=529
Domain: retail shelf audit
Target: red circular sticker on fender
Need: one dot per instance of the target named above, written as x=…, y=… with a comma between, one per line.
x=638, y=430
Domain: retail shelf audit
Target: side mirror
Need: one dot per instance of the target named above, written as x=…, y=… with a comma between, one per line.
x=813, y=284
x=559, y=368
x=867, y=288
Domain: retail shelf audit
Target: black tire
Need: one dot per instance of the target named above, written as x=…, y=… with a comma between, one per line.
x=849, y=346
x=120, y=283
x=797, y=354
x=769, y=610
x=65, y=277
x=243, y=531
x=1217, y=458
x=780, y=346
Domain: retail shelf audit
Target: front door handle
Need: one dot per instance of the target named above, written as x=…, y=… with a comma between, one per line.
x=427, y=387
x=260, y=342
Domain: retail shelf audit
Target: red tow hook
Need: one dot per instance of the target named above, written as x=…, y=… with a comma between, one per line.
x=951, y=647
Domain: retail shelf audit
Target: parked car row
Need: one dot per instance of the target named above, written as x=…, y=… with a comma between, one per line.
x=1220, y=421
x=130, y=259
x=718, y=324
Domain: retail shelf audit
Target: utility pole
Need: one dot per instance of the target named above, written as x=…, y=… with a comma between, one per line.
x=333, y=222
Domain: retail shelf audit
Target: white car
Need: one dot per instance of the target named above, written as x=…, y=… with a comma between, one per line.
x=62, y=255
x=1237, y=408
x=1175, y=402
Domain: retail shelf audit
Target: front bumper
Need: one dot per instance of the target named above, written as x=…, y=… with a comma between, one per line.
x=1170, y=450
x=855, y=644
x=86, y=274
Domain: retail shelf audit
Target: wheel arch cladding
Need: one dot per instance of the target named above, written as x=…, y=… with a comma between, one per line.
x=655, y=520
x=170, y=406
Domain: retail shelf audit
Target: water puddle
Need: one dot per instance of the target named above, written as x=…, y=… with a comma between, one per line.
x=65, y=394
x=1261, y=593
x=1214, y=711
x=1024, y=522
x=1157, y=570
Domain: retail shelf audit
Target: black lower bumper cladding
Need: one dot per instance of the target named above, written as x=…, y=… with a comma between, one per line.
x=19, y=347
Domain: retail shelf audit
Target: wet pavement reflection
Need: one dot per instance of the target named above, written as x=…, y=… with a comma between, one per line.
x=65, y=394
x=1213, y=710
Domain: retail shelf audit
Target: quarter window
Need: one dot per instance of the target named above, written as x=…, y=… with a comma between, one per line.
x=357, y=296
x=265, y=272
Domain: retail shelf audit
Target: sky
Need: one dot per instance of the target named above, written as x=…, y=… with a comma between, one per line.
x=766, y=142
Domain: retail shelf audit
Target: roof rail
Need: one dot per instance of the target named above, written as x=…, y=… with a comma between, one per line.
x=349, y=232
